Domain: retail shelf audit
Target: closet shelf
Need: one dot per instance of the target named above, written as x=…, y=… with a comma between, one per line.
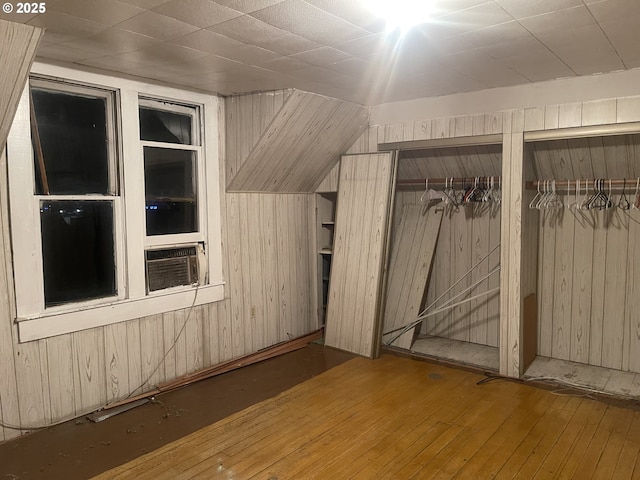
x=328, y=224
x=326, y=251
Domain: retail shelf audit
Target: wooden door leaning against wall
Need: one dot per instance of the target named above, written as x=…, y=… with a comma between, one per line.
x=360, y=252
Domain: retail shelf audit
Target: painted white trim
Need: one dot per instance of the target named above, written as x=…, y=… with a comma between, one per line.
x=61, y=323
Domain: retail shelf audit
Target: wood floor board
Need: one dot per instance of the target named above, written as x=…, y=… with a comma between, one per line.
x=399, y=418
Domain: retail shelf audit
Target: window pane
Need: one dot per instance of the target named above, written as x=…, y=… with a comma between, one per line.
x=73, y=137
x=163, y=126
x=171, y=201
x=77, y=250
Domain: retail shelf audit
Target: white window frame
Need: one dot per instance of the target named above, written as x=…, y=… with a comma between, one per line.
x=33, y=319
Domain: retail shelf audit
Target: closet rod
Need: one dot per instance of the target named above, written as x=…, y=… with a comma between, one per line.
x=570, y=184
x=442, y=181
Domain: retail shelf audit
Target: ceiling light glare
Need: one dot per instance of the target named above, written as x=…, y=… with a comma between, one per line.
x=401, y=14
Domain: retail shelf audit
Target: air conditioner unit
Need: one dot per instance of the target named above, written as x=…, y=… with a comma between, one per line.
x=174, y=267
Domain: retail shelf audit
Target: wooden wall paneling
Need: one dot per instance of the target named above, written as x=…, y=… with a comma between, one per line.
x=267, y=229
x=478, y=125
x=632, y=306
x=598, y=157
x=551, y=117
x=225, y=329
x=598, y=313
x=394, y=133
x=29, y=384
x=422, y=130
x=116, y=361
x=628, y=109
x=305, y=321
x=44, y=374
x=493, y=123
x=61, y=378
x=134, y=358
x=478, y=311
x=599, y=112
x=300, y=145
x=563, y=286
x=546, y=277
x=493, y=300
x=511, y=287
x=361, y=177
x=152, y=349
x=17, y=52
x=460, y=262
x=89, y=375
x=249, y=320
x=211, y=335
x=411, y=256
x=235, y=279
x=581, y=285
x=534, y=119
x=444, y=278
x=506, y=361
x=463, y=126
x=285, y=288
x=330, y=182
x=580, y=159
x=168, y=341
x=407, y=131
x=615, y=290
x=194, y=339
x=570, y=115
x=441, y=128
x=180, y=341
x=617, y=157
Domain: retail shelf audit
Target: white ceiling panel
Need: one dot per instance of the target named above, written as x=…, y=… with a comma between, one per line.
x=337, y=47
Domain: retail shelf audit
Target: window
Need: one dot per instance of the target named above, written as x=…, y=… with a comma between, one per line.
x=75, y=185
x=114, y=198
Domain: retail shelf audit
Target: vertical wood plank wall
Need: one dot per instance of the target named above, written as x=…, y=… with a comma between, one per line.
x=268, y=299
x=472, y=232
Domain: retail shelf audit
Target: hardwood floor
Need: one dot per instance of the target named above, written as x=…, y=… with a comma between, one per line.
x=397, y=418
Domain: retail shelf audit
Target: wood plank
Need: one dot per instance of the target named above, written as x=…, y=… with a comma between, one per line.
x=628, y=109
x=632, y=321
x=599, y=112
x=152, y=349
x=300, y=145
x=19, y=43
x=563, y=286
x=359, y=176
x=62, y=397
x=411, y=258
x=89, y=374
x=116, y=361
x=581, y=288
x=615, y=291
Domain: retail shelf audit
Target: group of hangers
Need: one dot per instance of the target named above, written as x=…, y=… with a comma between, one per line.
x=475, y=190
x=600, y=197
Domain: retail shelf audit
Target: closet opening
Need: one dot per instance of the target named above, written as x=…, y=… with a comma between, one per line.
x=584, y=195
x=443, y=278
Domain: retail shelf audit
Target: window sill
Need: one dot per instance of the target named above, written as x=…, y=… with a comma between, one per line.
x=52, y=324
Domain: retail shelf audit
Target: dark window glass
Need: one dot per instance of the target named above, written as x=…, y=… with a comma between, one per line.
x=73, y=138
x=77, y=250
x=171, y=202
x=163, y=126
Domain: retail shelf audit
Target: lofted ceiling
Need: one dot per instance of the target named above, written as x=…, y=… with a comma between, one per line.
x=336, y=47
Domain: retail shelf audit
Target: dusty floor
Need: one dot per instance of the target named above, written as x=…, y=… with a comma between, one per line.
x=81, y=449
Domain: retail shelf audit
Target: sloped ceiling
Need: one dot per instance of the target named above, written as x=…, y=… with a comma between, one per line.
x=291, y=148
x=336, y=47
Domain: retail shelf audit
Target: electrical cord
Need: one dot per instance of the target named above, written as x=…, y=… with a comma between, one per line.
x=10, y=426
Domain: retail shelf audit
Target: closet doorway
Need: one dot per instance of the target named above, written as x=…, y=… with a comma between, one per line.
x=444, y=264
x=587, y=194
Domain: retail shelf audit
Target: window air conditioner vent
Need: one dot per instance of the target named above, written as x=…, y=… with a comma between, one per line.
x=172, y=267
